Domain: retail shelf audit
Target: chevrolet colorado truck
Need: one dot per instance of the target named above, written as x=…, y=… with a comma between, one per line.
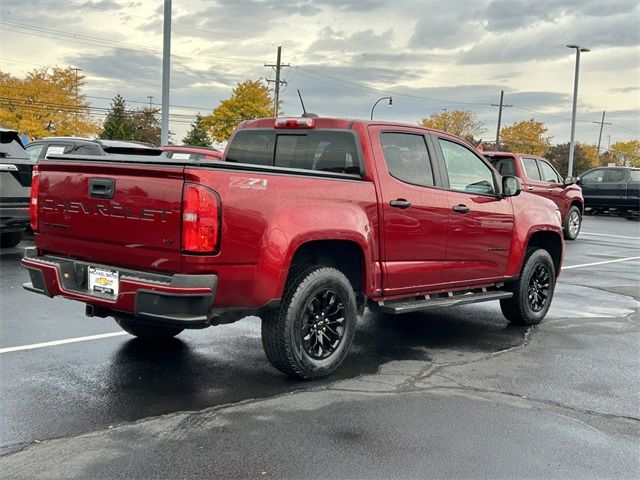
x=306, y=222
x=539, y=177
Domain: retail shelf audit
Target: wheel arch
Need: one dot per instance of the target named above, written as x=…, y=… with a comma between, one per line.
x=549, y=241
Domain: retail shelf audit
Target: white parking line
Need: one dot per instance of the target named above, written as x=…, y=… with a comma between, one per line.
x=610, y=236
x=601, y=263
x=61, y=342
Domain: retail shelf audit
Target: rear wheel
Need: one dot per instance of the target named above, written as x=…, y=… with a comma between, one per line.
x=533, y=291
x=10, y=239
x=309, y=335
x=146, y=332
x=572, y=223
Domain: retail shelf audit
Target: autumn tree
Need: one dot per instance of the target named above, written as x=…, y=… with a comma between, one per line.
x=462, y=123
x=527, y=136
x=147, y=125
x=47, y=101
x=626, y=153
x=198, y=135
x=583, y=158
x=249, y=100
x=118, y=125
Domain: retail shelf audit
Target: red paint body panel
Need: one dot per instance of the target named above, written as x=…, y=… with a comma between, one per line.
x=267, y=215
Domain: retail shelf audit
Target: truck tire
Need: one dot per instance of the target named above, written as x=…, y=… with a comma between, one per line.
x=572, y=223
x=309, y=335
x=146, y=332
x=10, y=239
x=533, y=291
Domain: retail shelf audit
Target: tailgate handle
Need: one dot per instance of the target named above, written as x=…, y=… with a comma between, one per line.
x=102, y=187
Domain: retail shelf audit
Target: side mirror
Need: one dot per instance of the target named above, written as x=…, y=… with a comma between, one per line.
x=570, y=181
x=511, y=186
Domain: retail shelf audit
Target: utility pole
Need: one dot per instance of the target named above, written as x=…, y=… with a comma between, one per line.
x=501, y=106
x=277, y=67
x=445, y=119
x=75, y=125
x=602, y=124
x=572, y=142
x=150, y=97
x=166, y=70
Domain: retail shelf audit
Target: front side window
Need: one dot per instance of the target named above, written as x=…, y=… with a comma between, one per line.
x=467, y=173
x=548, y=173
x=407, y=158
x=531, y=168
x=635, y=175
x=593, y=177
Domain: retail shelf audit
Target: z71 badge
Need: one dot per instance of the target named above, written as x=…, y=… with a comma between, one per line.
x=245, y=183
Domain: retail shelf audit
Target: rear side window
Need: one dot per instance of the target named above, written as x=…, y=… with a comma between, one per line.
x=616, y=175
x=531, y=168
x=407, y=158
x=504, y=165
x=321, y=150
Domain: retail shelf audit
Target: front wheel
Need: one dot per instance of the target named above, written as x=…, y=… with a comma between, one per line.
x=572, y=223
x=146, y=332
x=309, y=335
x=533, y=291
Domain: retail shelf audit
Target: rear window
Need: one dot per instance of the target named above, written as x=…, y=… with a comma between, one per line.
x=320, y=150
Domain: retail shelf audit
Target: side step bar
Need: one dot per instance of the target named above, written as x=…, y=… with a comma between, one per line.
x=425, y=303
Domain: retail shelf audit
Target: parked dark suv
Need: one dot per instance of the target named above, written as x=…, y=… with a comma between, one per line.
x=15, y=185
x=39, y=149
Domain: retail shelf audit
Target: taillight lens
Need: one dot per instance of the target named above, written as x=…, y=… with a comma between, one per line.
x=200, y=219
x=33, y=205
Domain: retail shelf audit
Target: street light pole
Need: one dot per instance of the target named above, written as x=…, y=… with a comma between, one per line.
x=166, y=70
x=579, y=49
x=378, y=101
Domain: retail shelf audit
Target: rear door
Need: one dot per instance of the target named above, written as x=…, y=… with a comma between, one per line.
x=614, y=187
x=480, y=221
x=550, y=185
x=414, y=212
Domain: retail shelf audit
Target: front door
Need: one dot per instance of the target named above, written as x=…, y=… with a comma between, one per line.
x=481, y=222
x=415, y=213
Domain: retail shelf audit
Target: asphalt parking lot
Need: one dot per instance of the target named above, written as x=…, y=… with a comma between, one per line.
x=454, y=394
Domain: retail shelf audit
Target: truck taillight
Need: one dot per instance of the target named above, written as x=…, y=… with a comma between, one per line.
x=33, y=204
x=200, y=219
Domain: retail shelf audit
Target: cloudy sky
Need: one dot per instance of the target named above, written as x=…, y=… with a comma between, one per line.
x=344, y=55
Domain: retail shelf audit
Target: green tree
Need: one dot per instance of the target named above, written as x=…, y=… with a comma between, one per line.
x=626, y=153
x=583, y=160
x=118, y=125
x=46, y=101
x=527, y=136
x=249, y=100
x=462, y=123
x=147, y=125
x=198, y=135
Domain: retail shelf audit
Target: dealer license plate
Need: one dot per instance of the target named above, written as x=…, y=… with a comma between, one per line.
x=102, y=280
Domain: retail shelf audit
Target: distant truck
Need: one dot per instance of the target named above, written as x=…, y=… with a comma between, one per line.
x=15, y=184
x=539, y=177
x=305, y=223
x=611, y=187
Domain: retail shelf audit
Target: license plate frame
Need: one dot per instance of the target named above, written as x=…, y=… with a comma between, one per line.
x=103, y=281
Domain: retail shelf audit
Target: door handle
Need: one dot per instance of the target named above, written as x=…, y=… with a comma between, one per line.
x=400, y=203
x=460, y=208
x=550, y=189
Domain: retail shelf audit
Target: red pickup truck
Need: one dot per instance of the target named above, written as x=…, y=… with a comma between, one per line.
x=305, y=223
x=539, y=177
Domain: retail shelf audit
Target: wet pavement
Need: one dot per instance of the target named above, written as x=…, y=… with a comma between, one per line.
x=458, y=393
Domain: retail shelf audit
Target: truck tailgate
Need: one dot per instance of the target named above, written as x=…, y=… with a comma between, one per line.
x=112, y=213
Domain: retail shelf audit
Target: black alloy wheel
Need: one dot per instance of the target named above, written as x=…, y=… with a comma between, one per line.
x=538, y=292
x=323, y=327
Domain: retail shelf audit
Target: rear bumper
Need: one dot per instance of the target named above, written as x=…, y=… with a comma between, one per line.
x=177, y=300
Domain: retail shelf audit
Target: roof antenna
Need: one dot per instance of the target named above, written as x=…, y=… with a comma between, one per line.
x=304, y=111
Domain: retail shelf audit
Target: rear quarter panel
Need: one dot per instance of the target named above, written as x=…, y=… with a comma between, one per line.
x=266, y=217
